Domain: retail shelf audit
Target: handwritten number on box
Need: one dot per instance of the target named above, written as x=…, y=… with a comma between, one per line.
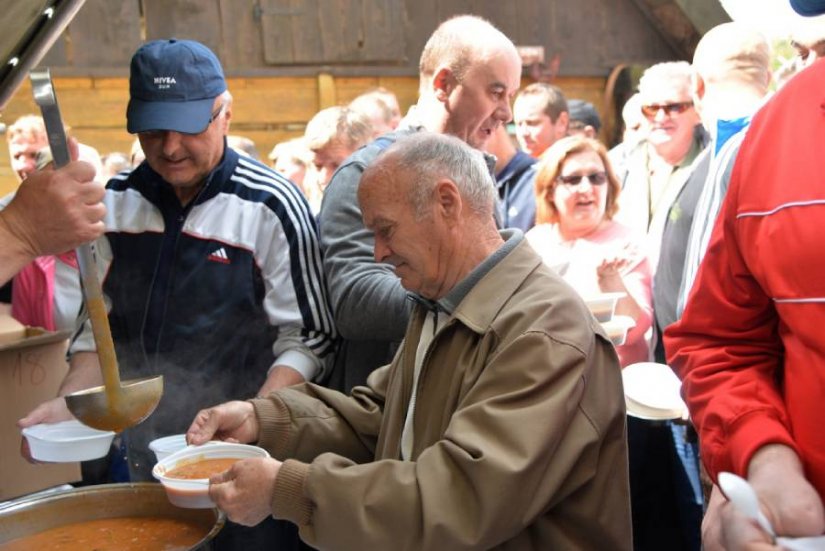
x=29, y=369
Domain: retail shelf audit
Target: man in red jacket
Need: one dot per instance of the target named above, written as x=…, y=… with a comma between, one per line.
x=749, y=347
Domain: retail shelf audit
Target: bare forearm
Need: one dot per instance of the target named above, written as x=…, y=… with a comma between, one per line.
x=13, y=254
x=84, y=372
x=280, y=376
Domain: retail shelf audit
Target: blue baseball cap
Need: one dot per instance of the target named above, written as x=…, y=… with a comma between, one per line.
x=172, y=86
x=808, y=7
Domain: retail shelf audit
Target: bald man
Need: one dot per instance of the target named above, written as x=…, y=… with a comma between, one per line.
x=469, y=73
x=731, y=75
x=748, y=346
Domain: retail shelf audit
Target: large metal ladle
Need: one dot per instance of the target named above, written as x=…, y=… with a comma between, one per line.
x=115, y=405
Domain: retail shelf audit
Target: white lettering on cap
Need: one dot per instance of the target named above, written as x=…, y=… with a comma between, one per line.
x=164, y=83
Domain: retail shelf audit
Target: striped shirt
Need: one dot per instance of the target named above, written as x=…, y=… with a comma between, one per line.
x=707, y=209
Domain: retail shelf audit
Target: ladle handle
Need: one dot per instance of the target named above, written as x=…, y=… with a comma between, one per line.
x=45, y=98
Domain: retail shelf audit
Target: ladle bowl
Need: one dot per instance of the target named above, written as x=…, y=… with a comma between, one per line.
x=133, y=402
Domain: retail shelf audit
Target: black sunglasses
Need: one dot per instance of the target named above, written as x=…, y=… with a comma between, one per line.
x=670, y=109
x=595, y=179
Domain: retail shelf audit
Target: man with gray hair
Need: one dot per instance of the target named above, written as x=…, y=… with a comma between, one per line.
x=657, y=170
x=731, y=67
x=210, y=264
x=503, y=382
x=469, y=72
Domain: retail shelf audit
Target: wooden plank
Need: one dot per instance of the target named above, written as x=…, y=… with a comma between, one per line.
x=291, y=31
x=348, y=88
x=274, y=101
x=381, y=24
x=501, y=14
x=8, y=181
x=339, y=29
x=276, y=19
x=190, y=19
x=105, y=33
x=450, y=8
x=630, y=38
x=57, y=55
x=421, y=21
x=242, y=45
x=326, y=91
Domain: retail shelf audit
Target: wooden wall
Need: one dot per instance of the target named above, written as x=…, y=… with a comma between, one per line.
x=286, y=59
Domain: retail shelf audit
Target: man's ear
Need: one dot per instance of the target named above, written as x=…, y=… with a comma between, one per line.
x=697, y=87
x=447, y=199
x=563, y=120
x=227, y=118
x=444, y=82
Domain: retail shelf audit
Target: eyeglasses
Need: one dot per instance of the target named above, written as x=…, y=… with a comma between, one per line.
x=670, y=109
x=215, y=114
x=212, y=118
x=595, y=179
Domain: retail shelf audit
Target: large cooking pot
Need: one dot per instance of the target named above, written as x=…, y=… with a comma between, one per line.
x=29, y=516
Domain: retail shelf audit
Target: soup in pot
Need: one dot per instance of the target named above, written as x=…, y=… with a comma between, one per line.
x=114, y=534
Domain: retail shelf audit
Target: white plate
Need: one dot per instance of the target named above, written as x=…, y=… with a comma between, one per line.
x=640, y=411
x=617, y=328
x=603, y=305
x=653, y=390
x=67, y=442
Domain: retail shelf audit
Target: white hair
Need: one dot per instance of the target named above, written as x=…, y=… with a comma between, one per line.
x=429, y=157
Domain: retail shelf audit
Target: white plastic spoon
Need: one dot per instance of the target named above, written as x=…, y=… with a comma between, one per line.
x=743, y=497
x=741, y=494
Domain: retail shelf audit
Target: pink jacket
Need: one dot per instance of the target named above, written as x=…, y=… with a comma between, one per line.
x=32, y=301
x=578, y=268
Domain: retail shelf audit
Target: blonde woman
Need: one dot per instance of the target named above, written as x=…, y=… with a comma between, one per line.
x=576, y=192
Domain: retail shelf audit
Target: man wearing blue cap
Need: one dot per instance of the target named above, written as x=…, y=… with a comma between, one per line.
x=210, y=261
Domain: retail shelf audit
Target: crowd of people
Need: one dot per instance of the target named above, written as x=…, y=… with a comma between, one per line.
x=394, y=308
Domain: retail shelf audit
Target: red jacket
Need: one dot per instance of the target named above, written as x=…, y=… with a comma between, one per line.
x=750, y=347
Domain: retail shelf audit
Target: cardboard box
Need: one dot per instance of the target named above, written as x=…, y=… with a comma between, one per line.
x=11, y=330
x=31, y=370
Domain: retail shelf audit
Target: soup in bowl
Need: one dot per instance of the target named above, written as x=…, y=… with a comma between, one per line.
x=185, y=474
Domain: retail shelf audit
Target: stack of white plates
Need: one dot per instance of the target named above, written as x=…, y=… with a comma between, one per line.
x=652, y=391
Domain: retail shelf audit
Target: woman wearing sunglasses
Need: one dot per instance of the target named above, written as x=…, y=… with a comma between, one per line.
x=576, y=193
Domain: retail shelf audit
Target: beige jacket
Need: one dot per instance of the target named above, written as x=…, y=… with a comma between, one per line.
x=519, y=432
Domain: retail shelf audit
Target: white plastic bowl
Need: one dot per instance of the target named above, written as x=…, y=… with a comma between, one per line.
x=194, y=493
x=604, y=305
x=166, y=446
x=617, y=329
x=67, y=442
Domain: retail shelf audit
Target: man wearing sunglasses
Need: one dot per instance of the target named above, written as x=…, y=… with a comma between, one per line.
x=658, y=168
x=210, y=262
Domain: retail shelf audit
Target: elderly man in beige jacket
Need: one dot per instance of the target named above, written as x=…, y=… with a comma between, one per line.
x=499, y=424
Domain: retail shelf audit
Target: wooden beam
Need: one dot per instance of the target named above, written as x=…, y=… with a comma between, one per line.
x=672, y=24
x=326, y=91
